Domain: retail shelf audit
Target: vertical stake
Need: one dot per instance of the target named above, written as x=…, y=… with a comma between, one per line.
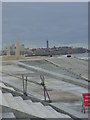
x=23, y=83
x=26, y=86
x=44, y=94
x=45, y=90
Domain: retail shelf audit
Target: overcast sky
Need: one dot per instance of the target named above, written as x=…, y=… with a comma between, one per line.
x=34, y=23
x=45, y=0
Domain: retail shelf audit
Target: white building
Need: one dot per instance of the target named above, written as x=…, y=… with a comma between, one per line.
x=17, y=48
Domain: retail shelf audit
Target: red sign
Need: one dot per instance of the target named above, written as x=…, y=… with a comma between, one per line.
x=86, y=99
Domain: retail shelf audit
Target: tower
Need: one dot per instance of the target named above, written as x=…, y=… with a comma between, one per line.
x=47, y=43
x=17, y=48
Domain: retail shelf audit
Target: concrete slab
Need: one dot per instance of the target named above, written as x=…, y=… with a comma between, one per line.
x=48, y=110
x=29, y=109
x=0, y=97
x=8, y=115
x=3, y=100
x=4, y=86
x=11, y=102
x=69, y=110
x=0, y=116
x=59, y=115
x=37, y=109
x=28, y=101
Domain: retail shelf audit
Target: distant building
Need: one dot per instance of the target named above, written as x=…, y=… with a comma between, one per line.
x=22, y=49
x=47, y=44
x=17, y=48
x=12, y=49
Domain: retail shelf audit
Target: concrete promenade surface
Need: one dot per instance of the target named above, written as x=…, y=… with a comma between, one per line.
x=65, y=78
x=73, y=110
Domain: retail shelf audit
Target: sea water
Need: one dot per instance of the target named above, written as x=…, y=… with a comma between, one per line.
x=81, y=56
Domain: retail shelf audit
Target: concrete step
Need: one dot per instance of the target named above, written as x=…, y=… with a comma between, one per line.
x=8, y=115
x=38, y=106
x=0, y=97
x=29, y=109
x=3, y=100
x=19, y=104
x=4, y=86
x=49, y=112
x=0, y=116
x=53, y=111
x=44, y=109
x=59, y=115
x=28, y=101
x=32, y=108
x=11, y=102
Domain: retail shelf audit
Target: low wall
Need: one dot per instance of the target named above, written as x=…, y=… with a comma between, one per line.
x=8, y=58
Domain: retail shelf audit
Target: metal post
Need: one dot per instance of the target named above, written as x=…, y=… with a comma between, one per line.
x=23, y=83
x=48, y=95
x=44, y=94
x=26, y=86
x=44, y=88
